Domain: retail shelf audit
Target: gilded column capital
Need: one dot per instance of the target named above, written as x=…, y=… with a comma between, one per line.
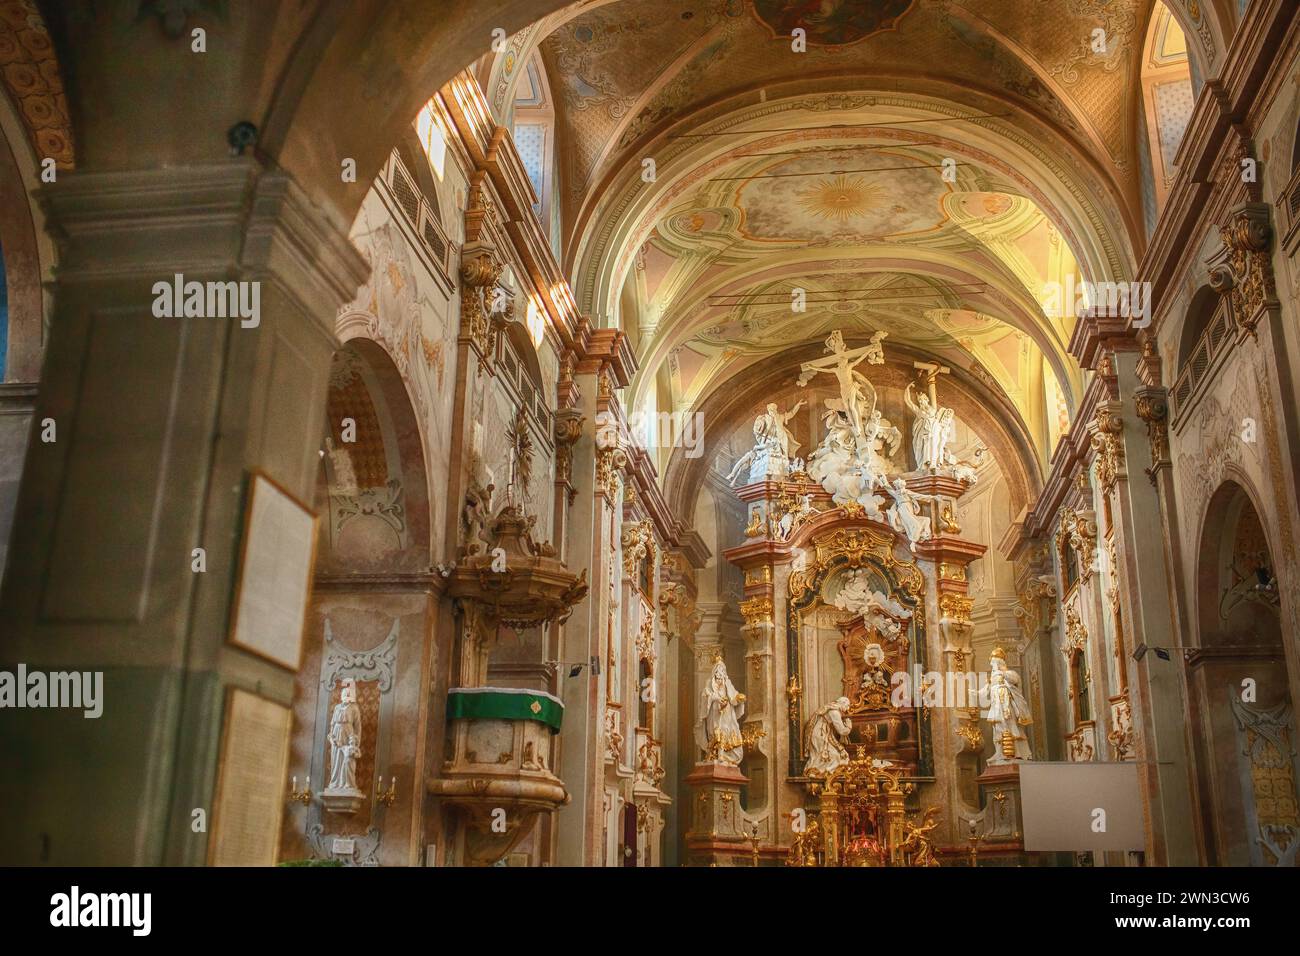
x=1152, y=407
x=1241, y=270
x=1107, y=430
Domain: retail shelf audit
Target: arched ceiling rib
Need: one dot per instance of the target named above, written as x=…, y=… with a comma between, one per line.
x=925, y=167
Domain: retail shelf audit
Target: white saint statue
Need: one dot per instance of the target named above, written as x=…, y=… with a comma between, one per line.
x=880, y=429
x=1008, y=712
x=879, y=611
x=903, y=513
x=876, y=350
x=827, y=730
x=839, y=467
x=345, y=740
x=773, y=446
x=771, y=429
x=932, y=430
x=717, y=728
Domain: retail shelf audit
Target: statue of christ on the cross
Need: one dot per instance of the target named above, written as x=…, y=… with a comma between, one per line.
x=857, y=395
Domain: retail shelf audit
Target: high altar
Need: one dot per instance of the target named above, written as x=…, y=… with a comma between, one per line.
x=859, y=746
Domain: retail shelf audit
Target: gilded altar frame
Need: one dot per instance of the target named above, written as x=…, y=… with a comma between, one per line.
x=852, y=547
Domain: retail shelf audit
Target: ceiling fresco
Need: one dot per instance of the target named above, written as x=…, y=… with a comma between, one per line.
x=830, y=22
x=925, y=168
x=631, y=67
x=855, y=192
x=876, y=239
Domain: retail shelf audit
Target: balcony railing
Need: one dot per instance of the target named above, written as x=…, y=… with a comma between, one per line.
x=1213, y=342
x=418, y=210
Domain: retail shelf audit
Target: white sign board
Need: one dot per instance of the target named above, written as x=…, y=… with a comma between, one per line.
x=1081, y=806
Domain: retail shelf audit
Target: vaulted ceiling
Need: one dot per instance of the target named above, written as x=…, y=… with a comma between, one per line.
x=924, y=167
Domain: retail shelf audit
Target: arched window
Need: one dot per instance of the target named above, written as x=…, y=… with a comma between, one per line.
x=1199, y=315
x=533, y=128
x=1168, y=100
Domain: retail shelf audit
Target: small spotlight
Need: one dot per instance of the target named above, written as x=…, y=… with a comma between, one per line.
x=1139, y=652
x=1161, y=653
x=575, y=670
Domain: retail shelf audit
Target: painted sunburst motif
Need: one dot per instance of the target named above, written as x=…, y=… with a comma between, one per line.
x=840, y=198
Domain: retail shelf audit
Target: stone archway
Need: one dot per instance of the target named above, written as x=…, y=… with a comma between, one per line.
x=1243, y=726
x=372, y=609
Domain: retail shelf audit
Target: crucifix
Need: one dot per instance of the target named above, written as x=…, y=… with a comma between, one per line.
x=857, y=396
x=931, y=371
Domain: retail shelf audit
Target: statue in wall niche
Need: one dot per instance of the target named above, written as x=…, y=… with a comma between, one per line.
x=828, y=728
x=773, y=445
x=345, y=477
x=1008, y=712
x=717, y=729
x=905, y=513
x=933, y=430
x=345, y=741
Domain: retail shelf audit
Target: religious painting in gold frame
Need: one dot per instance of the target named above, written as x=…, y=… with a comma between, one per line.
x=273, y=583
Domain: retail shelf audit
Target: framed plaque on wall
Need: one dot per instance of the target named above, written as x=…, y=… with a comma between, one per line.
x=273, y=584
x=249, y=801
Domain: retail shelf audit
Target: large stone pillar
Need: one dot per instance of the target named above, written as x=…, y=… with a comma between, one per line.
x=595, y=458
x=1144, y=539
x=159, y=422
